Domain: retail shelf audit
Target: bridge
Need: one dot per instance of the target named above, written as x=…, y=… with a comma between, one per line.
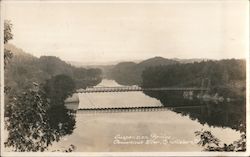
x=136, y=88
x=132, y=109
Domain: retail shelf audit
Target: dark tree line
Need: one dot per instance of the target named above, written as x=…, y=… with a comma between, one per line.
x=226, y=77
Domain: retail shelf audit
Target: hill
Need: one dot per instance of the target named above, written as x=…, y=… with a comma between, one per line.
x=129, y=73
x=156, y=61
x=24, y=69
x=18, y=51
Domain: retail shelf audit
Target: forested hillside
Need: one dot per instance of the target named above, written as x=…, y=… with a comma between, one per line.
x=23, y=69
x=223, y=76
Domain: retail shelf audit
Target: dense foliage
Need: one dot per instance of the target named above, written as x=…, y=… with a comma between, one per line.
x=34, y=123
x=211, y=143
x=28, y=123
x=226, y=77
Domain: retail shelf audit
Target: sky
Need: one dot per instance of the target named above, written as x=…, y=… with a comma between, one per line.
x=118, y=31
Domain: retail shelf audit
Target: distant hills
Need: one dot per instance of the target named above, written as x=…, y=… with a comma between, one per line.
x=156, y=61
x=24, y=68
x=113, y=63
x=129, y=73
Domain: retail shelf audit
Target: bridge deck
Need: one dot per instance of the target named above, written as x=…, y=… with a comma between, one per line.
x=128, y=89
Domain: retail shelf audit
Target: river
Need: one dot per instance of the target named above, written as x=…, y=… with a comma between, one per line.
x=150, y=131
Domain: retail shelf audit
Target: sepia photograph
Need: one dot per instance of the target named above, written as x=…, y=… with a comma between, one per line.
x=124, y=77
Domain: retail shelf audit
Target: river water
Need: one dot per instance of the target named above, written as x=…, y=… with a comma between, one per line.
x=166, y=130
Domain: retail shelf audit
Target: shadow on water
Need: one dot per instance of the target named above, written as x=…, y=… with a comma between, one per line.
x=213, y=113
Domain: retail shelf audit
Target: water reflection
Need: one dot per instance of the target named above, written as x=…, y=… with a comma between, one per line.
x=214, y=113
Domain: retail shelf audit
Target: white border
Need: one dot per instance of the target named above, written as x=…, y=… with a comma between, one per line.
x=122, y=1
x=247, y=153
x=247, y=81
x=2, y=73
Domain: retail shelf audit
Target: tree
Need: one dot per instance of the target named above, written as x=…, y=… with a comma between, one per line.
x=211, y=143
x=58, y=88
x=27, y=124
x=7, y=31
x=7, y=36
x=33, y=123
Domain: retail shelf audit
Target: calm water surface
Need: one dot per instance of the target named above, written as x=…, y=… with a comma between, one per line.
x=166, y=130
